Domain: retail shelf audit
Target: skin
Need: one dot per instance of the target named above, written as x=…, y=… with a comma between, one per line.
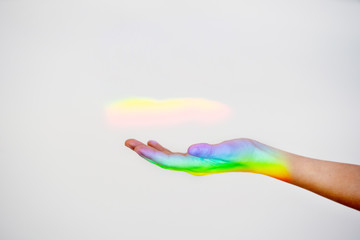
x=339, y=182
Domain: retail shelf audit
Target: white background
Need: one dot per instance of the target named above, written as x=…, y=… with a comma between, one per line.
x=289, y=69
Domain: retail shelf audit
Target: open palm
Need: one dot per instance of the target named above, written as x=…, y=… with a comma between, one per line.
x=237, y=155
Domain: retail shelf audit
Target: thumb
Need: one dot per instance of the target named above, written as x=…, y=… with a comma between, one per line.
x=202, y=150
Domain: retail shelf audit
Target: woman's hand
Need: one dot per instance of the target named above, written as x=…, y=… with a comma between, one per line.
x=337, y=181
x=237, y=155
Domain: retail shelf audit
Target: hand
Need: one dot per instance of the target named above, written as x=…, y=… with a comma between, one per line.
x=237, y=155
x=337, y=181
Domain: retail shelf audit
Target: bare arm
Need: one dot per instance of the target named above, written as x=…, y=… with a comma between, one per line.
x=339, y=182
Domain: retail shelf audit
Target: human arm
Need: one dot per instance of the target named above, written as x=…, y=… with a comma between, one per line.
x=339, y=182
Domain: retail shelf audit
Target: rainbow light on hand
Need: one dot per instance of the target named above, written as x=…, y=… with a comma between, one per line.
x=236, y=155
x=142, y=112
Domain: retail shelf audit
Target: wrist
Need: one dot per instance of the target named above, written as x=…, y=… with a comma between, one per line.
x=272, y=162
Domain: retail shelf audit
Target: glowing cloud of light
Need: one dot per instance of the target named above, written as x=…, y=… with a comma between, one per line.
x=141, y=112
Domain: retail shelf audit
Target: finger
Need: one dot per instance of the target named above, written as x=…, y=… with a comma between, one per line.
x=152, y=154
x=169, y=161
x=132, y=143
x=158, y=146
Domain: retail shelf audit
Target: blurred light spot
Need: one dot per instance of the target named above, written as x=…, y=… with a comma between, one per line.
x=142, y=112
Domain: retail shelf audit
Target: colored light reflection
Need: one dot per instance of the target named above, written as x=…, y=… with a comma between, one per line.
x=142, y=112
x=230, y=156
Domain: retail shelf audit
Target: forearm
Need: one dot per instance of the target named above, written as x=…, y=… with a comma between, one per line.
x=339, y=182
